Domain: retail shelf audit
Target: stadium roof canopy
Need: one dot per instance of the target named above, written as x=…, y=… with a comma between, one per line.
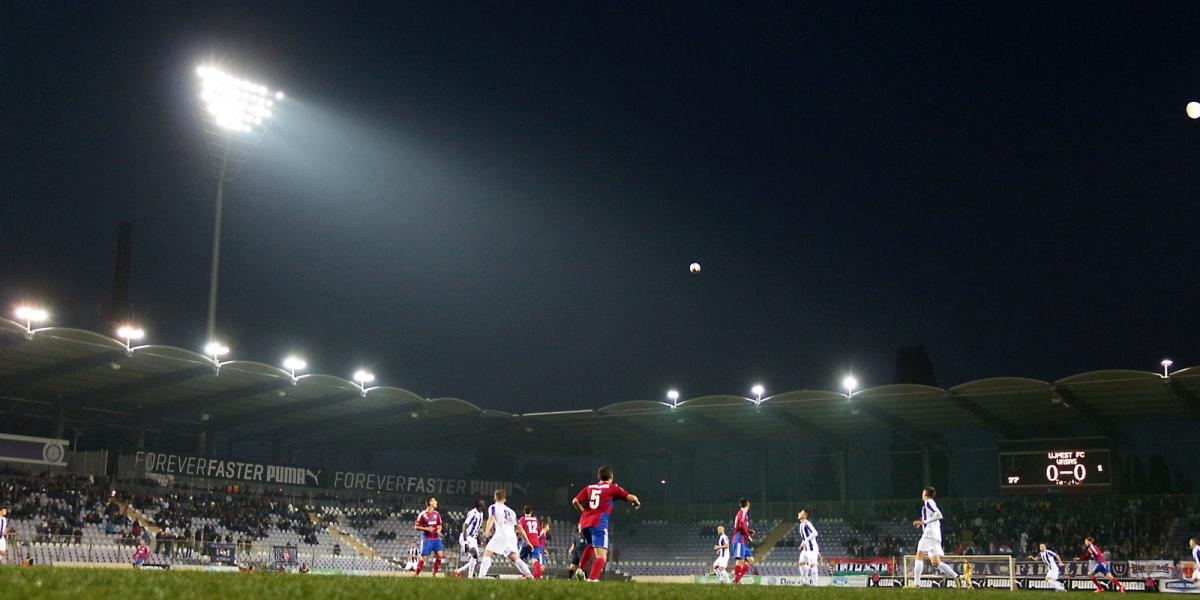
x=60, y=373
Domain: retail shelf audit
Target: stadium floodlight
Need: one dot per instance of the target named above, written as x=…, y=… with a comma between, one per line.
x=293, y=364
x=673, y=396
x=30, y=315
x=363, y=377
x=851, y=384
x=216, y=350
x=235, y=113
x=758, y=390
x=1193, y=110
x=1166, y=365
x=131, y=334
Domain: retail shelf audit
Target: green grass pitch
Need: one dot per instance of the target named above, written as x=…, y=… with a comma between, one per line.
x=86, y=584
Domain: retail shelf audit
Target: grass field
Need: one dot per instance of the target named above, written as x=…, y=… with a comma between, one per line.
x=87, y=584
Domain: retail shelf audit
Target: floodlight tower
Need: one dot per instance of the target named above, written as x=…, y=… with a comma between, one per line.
x=235, y=113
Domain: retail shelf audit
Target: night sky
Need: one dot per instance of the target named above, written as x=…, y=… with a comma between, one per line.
x=499, y=202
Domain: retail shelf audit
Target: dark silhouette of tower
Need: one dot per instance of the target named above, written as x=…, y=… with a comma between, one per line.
x=120, y=311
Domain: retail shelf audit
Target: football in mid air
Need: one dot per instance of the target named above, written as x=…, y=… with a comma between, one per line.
x=695, y=267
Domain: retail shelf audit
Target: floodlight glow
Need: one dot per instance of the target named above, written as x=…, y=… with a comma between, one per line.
x=1166, y=365
x=232, y=103
x=129, y=333
x=30, y=314
x=758, y=391
x=673, y=395
x=364, y=377
x=216, y=350
x=1193, y=110
x=293, y=363
x=850, y=383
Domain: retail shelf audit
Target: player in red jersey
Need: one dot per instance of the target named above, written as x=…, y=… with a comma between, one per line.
x=743, y=536
x=430, y=522
x=596, y=503
x=535, y=550
x=1093, y=553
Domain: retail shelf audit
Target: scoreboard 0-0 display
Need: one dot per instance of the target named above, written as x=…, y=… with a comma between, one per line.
x=1076, y=468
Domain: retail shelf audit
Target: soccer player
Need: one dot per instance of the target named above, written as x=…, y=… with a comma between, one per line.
x=468, y=539
x=141, y=555
x=1053, y=562
x=4, y=534
x=810, y=552
x=430, y=522
x=596, y=503
x=930, y=545
x=536, y=532
x=576, y=557
x=413, y=554
x=1195, y=560
x=743, y=536
x=502, y=521
x=1093, y=553
x=721, y=563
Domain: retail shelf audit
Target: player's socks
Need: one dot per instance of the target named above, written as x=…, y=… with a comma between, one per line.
x=918, y=569
x=437, y=564
x=467, y=568
x=597, y=568
x=1120, y=587
x=523, y=568
x=739, y=572
x=420, y=565
x=586, y=559
x=537, y=570
x=484, y=565
x=947, y=570
x=1097, y=584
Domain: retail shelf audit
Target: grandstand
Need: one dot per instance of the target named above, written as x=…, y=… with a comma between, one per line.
x=125, y=405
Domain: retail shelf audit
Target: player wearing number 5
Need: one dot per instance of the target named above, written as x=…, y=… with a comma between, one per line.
x=596, y=503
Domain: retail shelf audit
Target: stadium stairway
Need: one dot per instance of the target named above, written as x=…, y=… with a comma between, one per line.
x=763, y=551
x=346, y=539
x=135, y=515
x=341, y=537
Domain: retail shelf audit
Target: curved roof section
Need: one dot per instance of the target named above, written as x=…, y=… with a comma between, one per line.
x=86, y=371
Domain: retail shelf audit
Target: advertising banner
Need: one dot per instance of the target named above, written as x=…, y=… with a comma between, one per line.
x=144, y=464
x=33, y=450
x=847, y=565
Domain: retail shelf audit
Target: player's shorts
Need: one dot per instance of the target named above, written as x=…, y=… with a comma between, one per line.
x=469, y=546
x=597, y=537
x=741, y=550
x=430, y=546
x=138, y=563
x=930, y=546
x=810, y=557
x=537, y=553
x=721, y=563
x=1052, y=574
x=504, y=546
x=3, y=545
x=1101, y=569
x=577, y=551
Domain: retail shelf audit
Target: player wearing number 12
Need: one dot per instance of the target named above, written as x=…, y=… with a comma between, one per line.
x=535, y=550
x=596, y=503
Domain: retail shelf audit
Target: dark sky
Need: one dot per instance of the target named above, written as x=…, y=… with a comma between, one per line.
x=499, y=202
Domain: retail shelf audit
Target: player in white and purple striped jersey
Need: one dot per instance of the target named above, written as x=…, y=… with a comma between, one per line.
x=810, y=552
x=3, y=534
x=1195, y=560
x=468, y=539
x=1052, y=561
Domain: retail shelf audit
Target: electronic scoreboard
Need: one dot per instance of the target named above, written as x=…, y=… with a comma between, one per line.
x=1056, y=464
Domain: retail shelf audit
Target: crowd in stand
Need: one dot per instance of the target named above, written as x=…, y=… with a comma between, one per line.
x=58, y=508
